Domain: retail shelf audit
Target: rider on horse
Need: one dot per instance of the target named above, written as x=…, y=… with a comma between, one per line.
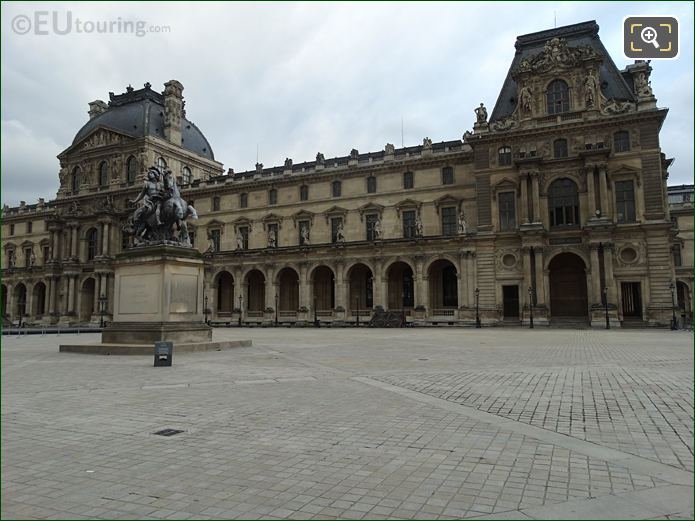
x=152, y=194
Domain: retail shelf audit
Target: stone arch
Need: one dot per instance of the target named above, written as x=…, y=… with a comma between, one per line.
x=223, y=282
x=443, y=284
x=287, y=280
x=360, y=279
x=19, y=300
x=400, y=277
x=566, y=249
x=38, y=299
x=443, y=256
x=87, y=297
x=568, y=286
x=390, y=262
x=255, y=281
x=322, y=279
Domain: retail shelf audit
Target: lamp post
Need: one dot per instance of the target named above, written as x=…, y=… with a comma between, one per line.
x=205, y=308
x=357, y=300
x=674, y=321
x=102, y=309
x=605, y=303
x=477, y=309
x=240, y=310
x=277, y=300
x=316, y=316
x=530, y=307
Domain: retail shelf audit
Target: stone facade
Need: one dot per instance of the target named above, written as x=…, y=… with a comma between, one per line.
x=555, y=205
x=680, y=200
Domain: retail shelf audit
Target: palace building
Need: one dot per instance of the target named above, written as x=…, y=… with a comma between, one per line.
x=555, y=204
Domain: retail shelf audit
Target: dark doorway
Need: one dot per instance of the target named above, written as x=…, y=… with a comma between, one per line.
x=632, y=299
x=568, y=295
x=510, y=299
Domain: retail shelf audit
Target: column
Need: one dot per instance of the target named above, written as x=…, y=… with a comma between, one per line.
x=340, y=286
x=462, y=280
x=605, y=208
x=244, y=303
x=420, y=293
x=595, y=297
x=471, y=273
x=269, y=295
x=524, y=199
x=591, y=192
x=377, y=289
x=536, y=195
x=608, y=269
x=52, y=292
x=51, y=245
x=29, y=303
x=528, y=280
x=304, y=298
x=75, y=241
x=540, y=280
x=10, y=301
x=72, y=283
x=105, y=238
x=97, y=293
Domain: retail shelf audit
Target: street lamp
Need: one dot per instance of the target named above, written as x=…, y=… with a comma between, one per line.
x=674, y=321
x=530, y=307
x=205, y=309
x=102, y=309
x=477, y=309
x=316, y=317
x=277, y=299
x=357, y=300
x=240, y=310
x=605, y=303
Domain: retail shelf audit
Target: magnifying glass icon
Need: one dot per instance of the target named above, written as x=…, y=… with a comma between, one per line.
x=648, y=35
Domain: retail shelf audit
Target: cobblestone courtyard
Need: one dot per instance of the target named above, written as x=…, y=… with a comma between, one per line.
x=338, y=423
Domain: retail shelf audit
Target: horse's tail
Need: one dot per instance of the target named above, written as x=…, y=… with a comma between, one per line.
x=192, y=212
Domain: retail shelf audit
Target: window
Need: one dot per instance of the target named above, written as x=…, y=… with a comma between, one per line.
x=11, y=229
x=563, y=203
x=336, y=188
x=409, y=224
x=677, y=259
x=46, y=251
x=161, y=163
x=215, y=204
x=30, y=226
x=408, y=181
x=243, y=200
x=272, y=196
x=449, y=221
x=371, y=184
x=191, y=236
x=244, y=232
x=186, y=176
x=447, y=175
x=336, y=223
x=125, y=240
x=625, y=201
x=371, y=220
x=10, y=259
x=304, y=193
x=103, y=174
x=560, y=148
x=131, y=170
x=75, y=180
x=303, y=232
x=27, y=257
x=506, y=202
x=621, y=141
x=504, y=156
x=558, y=97
x=92, y=242
x=215, y=238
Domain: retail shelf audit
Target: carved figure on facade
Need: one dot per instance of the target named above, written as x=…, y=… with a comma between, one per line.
x=288, y=163
x=525, y=99
x=427, y=143
x=481, y=114
x=504, y=124
x=354, y=154
x=305, y=234
x=591, y=89
x=11, y=259
x=320, y=159
x=162, y=217
x=556, y=54
x=389, y=149
x=376, y=229
x=32, y=258
x=340, y=233
x=239, y=240
x=617, y=107
x=418, y=226
x=272, y=238
x=462, y=227
x=643, y=87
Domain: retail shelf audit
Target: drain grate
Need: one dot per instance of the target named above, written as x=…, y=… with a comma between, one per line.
x=168, y=432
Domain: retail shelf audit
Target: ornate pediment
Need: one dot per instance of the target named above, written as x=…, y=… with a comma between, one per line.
x=242, y=221
x=303, y=215
x=556, y=54
x=370, y=208
x=446, y=200
x=407, y=204
x=335, y=211
x=102, y=137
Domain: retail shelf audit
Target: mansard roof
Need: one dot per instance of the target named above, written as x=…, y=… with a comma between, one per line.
x=139, y=113
x=612, y=80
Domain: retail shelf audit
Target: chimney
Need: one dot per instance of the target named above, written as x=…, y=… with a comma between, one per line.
x=97, y=107
x=173, y=109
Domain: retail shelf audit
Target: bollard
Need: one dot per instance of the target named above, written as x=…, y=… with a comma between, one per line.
x=163, y=354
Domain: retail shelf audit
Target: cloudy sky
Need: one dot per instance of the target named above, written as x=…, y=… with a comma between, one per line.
x=293, y=78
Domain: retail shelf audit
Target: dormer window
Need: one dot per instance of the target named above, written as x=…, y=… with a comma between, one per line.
x=104, y=174
x=504, y=156
x=161, y=163
x=186, y=176
x=131, y=170
x=558, y=97
x=75, y=180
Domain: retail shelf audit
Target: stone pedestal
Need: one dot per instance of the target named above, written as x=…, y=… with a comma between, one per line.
x=158, y=296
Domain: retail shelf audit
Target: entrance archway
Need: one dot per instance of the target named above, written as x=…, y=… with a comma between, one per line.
x=255, y=298
x=87, y=300
x=361, y=287
x=443, y=284
x=288, y=287
x=401, y=286
x=568, y=293
x=225, y=292
x=39, y=299
x=20, y=300
x=324, y=288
